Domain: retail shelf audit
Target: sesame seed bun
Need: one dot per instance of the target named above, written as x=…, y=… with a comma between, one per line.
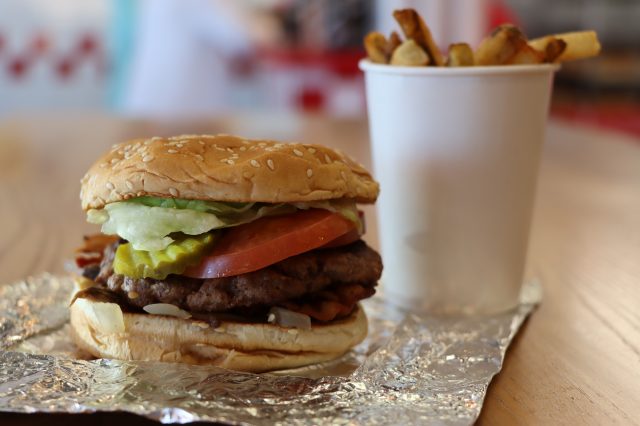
x=224, y=168
x=102, y=329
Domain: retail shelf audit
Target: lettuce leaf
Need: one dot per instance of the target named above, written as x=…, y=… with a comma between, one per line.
x=148, y=228
x=214, y=207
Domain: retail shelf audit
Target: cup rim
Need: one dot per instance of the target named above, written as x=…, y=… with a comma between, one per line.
x=368, y=66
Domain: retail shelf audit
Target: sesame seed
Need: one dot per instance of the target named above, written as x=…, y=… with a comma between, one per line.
x=343, y=174
x=201, y=142
x=147, y=158
x=127, y=155
x=120, y=152
x=255, y=163
x=270, y=164
x=133, y=295
x=327, y=159
x=129, y=184
x=230, y=161
x=298, y=152
x=110, y=186
x=156, y=138
x=172, y=151
x=309, y=173
x=199, y=157
x=179, y=145
x=114, y=160
x=243, y=148
x=148, y=142
x=230, y=150
x=173, y=192
x=103, y=165
x=311, y=150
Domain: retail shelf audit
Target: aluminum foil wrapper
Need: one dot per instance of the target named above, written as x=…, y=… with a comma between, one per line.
x=411, y=369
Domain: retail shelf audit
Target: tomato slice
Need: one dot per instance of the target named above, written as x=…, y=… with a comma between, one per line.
x=350, y=237
x=269, y=240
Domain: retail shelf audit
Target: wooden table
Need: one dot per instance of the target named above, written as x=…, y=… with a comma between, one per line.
x=576, y=361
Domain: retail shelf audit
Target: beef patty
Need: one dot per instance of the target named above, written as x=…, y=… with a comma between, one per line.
x=338, y=276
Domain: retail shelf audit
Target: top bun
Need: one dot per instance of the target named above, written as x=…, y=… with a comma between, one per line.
x=224, y=168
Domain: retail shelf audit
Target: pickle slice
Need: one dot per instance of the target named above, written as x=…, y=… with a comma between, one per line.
x=159, y=263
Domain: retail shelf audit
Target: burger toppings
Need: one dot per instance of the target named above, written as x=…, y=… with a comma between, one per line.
x=269, y=240
x=148, y=222
x=166, y=309
x=91, y=251
x=324, y=284
x=158, y=264
x=286, y=318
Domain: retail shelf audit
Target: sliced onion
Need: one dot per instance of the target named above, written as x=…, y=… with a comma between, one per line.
x=104, y=316
x=289, y=319
x=166, y=309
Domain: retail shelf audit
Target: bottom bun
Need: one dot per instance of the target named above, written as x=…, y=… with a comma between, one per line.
x=102, y=329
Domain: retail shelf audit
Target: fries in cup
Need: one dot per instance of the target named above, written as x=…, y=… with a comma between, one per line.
x=506, y=45
x=409, y=54
x=460, y=55
x=415, y=28
x=376, y=46
x=579, y=45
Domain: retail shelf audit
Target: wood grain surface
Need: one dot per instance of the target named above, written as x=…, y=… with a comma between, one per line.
x=576, y=360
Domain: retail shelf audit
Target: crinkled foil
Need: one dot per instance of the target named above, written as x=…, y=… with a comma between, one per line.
x=412, y=369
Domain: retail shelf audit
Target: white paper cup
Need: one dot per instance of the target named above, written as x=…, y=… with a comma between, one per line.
x=456, y=151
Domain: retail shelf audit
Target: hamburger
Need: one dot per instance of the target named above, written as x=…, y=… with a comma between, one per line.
x=218, y=250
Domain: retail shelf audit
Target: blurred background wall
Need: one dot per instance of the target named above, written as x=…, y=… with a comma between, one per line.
x=158, y=58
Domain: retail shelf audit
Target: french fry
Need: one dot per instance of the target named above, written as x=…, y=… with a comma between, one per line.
x=554, y=49
x=409, y=54
x=414, y=28
x=526, y=55
x=393, y=43
x=580, y=45
x=460, y=55
x=376, y=45
x=500, y=46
